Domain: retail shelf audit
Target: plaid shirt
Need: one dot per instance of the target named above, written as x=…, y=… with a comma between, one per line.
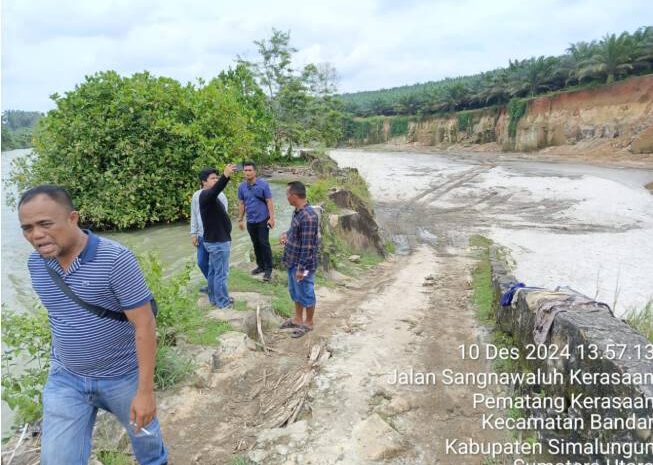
x=301, y=247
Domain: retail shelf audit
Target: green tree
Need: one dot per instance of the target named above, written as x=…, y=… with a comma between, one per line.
x=302, y=102
x=577, y=53
x=274, y=74
x=531, y=76
x=253, y=104
x=324, y=110
x=8, y=142
x=582, y=62
x=643, y=48
x=612, y=58
x=17, y=119
x=128, y=148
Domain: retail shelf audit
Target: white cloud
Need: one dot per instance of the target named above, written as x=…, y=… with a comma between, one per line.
x=49, y=46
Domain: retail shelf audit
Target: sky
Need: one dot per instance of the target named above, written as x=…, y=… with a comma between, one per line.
x=49, y=46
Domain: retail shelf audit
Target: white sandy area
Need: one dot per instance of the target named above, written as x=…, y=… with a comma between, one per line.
x=612, y=266
x=398, y=176
x=596, y=200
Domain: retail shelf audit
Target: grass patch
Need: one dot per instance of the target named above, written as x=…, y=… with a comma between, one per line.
x=112, y=457
x=277, y=288
x=482, y=279
x=367, y=260
x=499, y=364
x=642, y=320
x=208, y=334
x=172, y=367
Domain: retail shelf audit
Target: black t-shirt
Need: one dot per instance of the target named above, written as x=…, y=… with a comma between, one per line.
x=215, y=219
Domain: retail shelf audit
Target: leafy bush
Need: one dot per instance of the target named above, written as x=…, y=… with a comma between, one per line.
x=464, y=121
x=25, y=361
x=129, y=148
x=399, y=126
x=516, y=109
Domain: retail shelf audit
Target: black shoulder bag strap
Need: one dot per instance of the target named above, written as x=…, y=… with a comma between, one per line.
x=94, y=309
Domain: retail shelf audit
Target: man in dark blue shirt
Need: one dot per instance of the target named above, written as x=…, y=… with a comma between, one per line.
x=256, y=200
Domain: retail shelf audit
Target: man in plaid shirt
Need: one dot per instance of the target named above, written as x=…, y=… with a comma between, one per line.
x=300, y=256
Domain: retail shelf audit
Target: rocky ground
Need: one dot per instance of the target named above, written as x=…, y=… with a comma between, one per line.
x=326, y=398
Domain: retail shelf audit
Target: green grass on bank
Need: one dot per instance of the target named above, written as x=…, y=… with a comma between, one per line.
x=642, y=320
x=482, y=279
x=241, y=281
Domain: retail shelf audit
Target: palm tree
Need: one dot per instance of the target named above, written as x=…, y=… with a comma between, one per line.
x=643, y=47
x=453, y=95
x=612, y=57
x=577, y=53
x=528, y=77
x=495, y=87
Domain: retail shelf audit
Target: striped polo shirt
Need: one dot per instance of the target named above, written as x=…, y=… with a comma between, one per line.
x=104, y=274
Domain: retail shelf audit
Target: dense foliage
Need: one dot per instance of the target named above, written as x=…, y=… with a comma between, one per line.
x=129, y=148
x=584, y=63
x=302, y=102
x=25, y=361
x=17, y=126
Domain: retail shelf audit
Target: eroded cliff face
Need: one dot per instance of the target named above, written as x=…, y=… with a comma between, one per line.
x=613, y=118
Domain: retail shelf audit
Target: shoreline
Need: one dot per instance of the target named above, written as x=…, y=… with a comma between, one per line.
x=492, y=152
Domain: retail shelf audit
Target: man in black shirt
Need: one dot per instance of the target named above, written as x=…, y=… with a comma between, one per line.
x=217, y=238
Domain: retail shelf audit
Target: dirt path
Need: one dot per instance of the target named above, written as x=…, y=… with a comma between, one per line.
x=410, y=313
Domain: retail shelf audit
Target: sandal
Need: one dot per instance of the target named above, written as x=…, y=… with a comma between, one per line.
x=289, y=324
x=300, y=331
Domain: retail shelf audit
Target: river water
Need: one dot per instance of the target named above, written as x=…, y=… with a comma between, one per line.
x=586, y=227
x=171, y=243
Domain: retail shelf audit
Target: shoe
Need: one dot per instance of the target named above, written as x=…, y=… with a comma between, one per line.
x=204, y=290
x=267, y=276
x=300, y=331
x=231, y=300
x=258, y=270
x=289, y=324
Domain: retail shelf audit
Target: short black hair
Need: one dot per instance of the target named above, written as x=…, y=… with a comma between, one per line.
x=56, y=193
x=249, y=163
x=298, y=188
x=206, y=172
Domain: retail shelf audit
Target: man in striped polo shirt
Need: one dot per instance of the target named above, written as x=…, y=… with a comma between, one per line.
x=95, y=362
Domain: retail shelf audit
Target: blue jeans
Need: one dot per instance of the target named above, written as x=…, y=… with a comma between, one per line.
x=218, y=272
x=70, y=405
x=202, y=257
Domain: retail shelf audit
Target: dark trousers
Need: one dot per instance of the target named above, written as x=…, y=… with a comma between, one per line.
x=260, y=235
